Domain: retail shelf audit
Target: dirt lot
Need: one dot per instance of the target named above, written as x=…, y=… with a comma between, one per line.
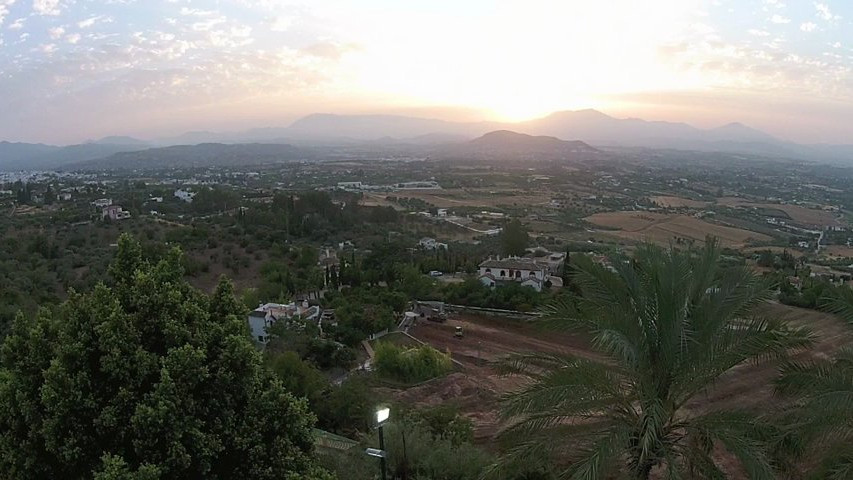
x=477, y=388
x=838, y=250
x=663, y=229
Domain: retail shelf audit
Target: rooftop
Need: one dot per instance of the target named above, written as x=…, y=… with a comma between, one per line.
x=513, y=263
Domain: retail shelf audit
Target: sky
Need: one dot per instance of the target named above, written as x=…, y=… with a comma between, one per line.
x=73, y=70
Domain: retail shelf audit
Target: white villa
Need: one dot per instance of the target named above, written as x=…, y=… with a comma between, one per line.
x=263, y=317
x=512, y=269
x=185, y=195
x=428, y=243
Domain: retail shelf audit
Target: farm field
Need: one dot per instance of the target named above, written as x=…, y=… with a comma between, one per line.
x=475, y=197
x=801, y=215
x=666, y=201
x=838, y=250
x=663, y=229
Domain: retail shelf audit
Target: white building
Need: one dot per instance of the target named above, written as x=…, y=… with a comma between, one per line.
x=114, y=212
x=428, y=243
x=64, y=197
x=350, y=185
x=102, y=202
x=263, y=317
x=422, y=185
x=185, y=195
x=512, y=269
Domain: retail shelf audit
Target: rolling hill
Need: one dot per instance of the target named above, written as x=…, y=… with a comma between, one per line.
x=189, y=156
x=508, y=145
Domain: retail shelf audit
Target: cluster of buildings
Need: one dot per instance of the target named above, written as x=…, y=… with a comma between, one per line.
x=362, y=187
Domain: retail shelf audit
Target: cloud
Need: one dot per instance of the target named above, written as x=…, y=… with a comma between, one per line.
x=17, y=24
x=825, y=13
x=281, y=24
x=55, y=32
x=808, y=26
x=47, y=48
x=93, y=20
x=4, y=9
x=46, y=7
x=198, y=12
x=779, y=19
x=72, y=38
x=759, y=33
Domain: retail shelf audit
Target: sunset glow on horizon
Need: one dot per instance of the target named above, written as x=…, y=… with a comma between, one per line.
x=72, y=70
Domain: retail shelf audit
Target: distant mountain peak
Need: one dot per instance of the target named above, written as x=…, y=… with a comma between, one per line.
x=511, y=145
x=508, y=136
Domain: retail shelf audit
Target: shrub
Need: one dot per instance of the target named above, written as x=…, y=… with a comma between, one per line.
x=410, y=364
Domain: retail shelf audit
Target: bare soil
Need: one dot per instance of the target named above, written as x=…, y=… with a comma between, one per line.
x=664, y=229
x=476, y=389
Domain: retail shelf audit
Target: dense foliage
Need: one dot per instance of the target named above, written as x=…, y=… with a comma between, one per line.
x=410, y=365
x=667, y=324
x=146, y=378
x=514, y=238
x=820, y=419
x=344, y=408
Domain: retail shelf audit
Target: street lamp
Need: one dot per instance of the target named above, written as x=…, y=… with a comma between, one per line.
x=382, y=415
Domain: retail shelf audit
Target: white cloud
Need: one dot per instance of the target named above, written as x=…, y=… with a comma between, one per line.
x=808, y=26
x=825, y=13
x=281, y=24
x=72, y=38
x=93, y=20
x=779, y=19
x=46, y=7
x=4, y=9
x=759, y=33
x=836, y=45
x=17, y=24
x=47, y=48
x=55, y=32
x=198, y=12
x=207, y=25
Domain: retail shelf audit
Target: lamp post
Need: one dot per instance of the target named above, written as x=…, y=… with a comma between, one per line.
x=382, y=416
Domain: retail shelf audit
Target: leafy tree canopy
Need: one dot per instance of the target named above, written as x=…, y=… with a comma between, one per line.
x=146, y=378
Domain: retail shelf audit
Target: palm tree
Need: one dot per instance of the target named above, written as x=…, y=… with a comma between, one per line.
x=665, y=326
x=821, y=418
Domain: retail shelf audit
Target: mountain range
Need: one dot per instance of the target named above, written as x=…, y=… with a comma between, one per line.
x=375, y=131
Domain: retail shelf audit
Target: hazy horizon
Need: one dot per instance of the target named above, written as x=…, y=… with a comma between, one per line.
x=77, y=70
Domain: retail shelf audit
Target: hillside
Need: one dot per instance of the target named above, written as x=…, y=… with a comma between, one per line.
x=503, y=145
x=28, y=156
x=202, y=155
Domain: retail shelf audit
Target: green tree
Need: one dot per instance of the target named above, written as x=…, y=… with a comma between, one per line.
x=146, y=378
x=514, y=238
x=667, y=325
x=821, y=421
